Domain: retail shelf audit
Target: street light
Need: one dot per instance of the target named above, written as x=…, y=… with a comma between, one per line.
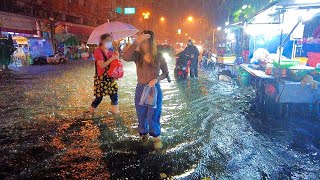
x=190, y=18
x=146, y=15
x=162, y=19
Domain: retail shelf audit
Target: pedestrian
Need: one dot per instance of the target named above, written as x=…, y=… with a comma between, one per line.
x=193, y=54
x=103, y=84
x=204, y=60
x=148, y=64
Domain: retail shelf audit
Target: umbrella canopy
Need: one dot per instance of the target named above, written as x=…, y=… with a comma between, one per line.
x=71, y=41
x=118, y=30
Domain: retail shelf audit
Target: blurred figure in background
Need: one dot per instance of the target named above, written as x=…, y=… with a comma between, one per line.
x=193, y=54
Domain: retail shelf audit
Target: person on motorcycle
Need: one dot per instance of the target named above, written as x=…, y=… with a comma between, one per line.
x=193, y=54
x=204, y=61
x=181, y=64
x=212, y=59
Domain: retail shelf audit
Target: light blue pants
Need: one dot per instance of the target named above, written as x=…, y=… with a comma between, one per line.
x=149, y=118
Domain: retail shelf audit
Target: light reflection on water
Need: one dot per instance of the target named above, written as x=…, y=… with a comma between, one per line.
x=208, y=131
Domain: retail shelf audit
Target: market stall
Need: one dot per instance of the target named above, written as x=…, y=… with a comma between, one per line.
x=280, y=73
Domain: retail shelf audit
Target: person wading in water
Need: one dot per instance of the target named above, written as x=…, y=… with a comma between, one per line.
x=103, y=84
x=148, y=63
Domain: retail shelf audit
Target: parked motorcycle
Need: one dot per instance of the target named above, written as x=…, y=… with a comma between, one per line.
x=58, y=58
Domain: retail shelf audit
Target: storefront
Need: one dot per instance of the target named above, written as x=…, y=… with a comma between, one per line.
x=71, y=39
x=27, y=36
x=283, y=73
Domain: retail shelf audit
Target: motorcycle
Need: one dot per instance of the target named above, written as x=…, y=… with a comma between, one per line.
x=181, y=70
x=58, y=58
x=212, y=62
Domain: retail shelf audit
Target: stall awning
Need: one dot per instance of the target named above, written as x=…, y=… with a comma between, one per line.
x=79, y=29
x=16, y=23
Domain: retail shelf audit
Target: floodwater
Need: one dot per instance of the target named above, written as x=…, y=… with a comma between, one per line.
x=209, y=130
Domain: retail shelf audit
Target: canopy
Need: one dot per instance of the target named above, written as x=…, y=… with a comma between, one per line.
x=20, y=39
x=300, y=3
x=118, y=30
x=72, y=41
x=267, y=21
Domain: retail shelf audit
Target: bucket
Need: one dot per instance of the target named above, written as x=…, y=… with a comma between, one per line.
x=244, y=78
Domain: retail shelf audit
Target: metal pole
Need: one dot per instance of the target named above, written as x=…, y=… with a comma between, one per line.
x=280, y=47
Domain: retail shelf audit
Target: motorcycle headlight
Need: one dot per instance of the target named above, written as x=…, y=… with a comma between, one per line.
x=166, y=56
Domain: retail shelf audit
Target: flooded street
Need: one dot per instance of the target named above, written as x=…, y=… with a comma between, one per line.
x=209, y=130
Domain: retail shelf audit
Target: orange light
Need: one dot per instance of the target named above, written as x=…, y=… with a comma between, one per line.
x=190, y=18
x=162, y=19
x=146, y=15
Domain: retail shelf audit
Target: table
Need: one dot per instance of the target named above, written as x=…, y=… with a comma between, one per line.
x=286, y=93
x=257, y=73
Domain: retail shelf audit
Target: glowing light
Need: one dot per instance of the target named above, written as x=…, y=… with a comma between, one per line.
x=310, y=14
x=190, y=18
x=231, y=36
x=219, y=29
x=307, y=2
x=146, y=15
x=162, y=19
x=166, y=56
x=200, y=47
x=179, y=31
x=244, y=6
x=227, y=23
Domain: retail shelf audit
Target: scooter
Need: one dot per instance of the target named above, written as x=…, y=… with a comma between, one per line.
x=182, y=70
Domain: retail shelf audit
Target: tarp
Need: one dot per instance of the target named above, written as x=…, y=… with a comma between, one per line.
x=16, y=23
x=300, y=3
x=20, y=39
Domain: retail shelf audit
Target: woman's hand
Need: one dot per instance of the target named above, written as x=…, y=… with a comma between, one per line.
x=142, y=38
x=114, y=56
x=153, y=82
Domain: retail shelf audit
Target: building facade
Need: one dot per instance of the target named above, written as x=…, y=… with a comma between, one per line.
x=84, y=12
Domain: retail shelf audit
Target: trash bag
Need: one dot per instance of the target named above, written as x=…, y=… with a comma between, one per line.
x=149, y=97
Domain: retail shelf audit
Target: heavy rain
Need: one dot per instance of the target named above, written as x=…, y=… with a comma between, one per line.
x=237, y=120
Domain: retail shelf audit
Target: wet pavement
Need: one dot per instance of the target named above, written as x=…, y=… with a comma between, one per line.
x=209, y=130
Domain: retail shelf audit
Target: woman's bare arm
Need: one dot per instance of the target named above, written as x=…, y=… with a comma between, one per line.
x=129, y=55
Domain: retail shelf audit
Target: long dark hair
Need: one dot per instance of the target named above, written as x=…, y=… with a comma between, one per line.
x=153, y=47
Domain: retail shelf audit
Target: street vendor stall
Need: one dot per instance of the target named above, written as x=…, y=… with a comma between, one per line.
x=279, y=77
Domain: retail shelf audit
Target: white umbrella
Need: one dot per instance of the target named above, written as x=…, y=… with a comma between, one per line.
x=118, y=30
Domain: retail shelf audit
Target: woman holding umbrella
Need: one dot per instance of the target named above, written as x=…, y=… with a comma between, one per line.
x=103, y=84
x=148, y=63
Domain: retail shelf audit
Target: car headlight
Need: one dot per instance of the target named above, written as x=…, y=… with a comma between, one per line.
x=166, y=56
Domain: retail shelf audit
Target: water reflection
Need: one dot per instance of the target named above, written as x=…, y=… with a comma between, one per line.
x=209, y=130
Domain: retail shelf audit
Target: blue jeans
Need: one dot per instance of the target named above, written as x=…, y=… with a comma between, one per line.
x=149, y=118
